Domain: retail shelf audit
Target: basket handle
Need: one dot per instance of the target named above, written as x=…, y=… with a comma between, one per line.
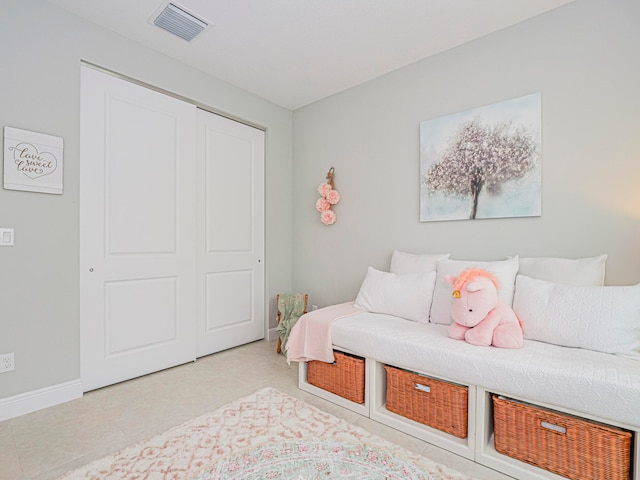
x=553, y=427
x=422, y=388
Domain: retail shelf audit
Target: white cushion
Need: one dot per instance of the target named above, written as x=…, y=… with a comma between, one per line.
x=584, y=381
x=402, y=262
x=407, y=295
x=605, y=319
x=580, y=271
x=504, y=270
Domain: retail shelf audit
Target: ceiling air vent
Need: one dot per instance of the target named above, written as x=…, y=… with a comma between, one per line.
x=175, y=20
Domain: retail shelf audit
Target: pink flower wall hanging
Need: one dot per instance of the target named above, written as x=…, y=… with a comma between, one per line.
x=332, y=197
x=328, y=217
x=323, y=189
x=328, y=198
x=322, y=205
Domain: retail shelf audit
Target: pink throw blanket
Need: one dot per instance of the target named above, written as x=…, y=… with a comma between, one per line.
x=310, y=337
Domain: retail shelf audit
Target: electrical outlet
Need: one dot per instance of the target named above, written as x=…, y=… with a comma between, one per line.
x=7, y=362
x=6, y=237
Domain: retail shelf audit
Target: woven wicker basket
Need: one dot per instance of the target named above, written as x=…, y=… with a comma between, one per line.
x=569, y=446
x=344, y=377
x=436, y=403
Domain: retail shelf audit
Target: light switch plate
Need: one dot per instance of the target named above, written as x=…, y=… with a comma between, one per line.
x=6, y=237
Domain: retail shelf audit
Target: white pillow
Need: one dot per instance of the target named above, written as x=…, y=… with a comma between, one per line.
x=578, y=272
x=504, y=270
x=411, y=263
x=407, y=295
x=606, y=319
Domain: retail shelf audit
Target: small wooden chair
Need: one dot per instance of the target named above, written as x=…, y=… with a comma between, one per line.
x=306, y=302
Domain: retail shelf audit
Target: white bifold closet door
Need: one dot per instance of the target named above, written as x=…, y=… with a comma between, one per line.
x=147, y=195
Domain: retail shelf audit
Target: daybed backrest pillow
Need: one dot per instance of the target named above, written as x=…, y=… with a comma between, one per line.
x=415, y=263
x=406, y=296
x=504, y=270
x=580, y=272
x=605, y=319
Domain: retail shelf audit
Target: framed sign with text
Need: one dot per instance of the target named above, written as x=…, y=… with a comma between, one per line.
x=32, y=161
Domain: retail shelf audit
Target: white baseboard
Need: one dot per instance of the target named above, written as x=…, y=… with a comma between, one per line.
x=272, y=334
x=28, y=402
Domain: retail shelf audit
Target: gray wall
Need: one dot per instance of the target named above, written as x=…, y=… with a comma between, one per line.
x=42, y=47
x=584, y=58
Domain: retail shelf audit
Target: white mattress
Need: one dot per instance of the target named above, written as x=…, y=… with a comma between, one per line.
x=599, y=384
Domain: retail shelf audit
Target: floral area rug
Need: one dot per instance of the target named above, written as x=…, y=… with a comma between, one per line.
x=266, y=435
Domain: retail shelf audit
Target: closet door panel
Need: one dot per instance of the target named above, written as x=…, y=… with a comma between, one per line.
x=229, y=193
x=141, y=172
x=137, y=230
x=231, y=237
x=139, y=314
x=229, y=297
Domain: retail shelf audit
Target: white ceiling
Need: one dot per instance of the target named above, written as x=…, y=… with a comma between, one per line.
x=294, y=52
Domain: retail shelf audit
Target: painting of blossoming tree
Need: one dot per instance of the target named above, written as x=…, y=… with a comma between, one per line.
x=482, y=163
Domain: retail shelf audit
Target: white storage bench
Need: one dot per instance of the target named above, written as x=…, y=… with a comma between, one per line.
x=591, y=385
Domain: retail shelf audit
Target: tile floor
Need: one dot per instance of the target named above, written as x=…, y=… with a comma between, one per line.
x=45, y=444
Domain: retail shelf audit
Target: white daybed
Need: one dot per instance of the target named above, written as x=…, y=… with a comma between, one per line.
x=596, y=386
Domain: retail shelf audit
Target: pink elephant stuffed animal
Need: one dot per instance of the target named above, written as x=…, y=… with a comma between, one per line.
x=479, y=316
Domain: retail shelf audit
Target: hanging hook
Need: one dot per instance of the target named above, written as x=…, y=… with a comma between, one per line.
x=330, y=177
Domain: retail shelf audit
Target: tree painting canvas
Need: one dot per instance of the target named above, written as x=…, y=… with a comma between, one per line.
x=482, y=163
